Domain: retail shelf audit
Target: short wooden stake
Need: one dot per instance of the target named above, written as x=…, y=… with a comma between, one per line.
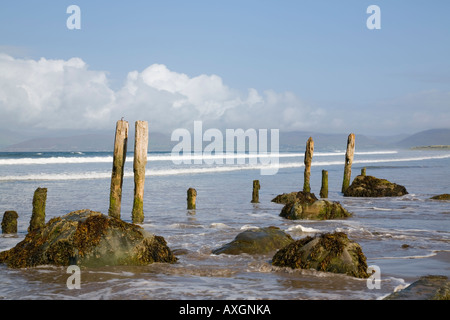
x=324, y=188
x=191, y=199
x=255, y=195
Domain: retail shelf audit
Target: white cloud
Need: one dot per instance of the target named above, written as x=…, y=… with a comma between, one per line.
x=59, y=94
x=66, y=94
x=52, y=94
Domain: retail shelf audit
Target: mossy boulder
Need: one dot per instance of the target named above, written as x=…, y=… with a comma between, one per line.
x=88, y=239
x=302, y=196
x=305, y=205
x=329, y=252
x=369, y=186
x=256, y=241
x=444, y=196
x=426, y=288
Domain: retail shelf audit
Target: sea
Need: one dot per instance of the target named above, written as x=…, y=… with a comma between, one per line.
x=403, y=238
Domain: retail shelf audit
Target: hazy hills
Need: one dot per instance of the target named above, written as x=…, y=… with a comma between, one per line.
x=289, y=141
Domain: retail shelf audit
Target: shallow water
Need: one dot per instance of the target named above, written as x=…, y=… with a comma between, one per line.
x=406, y=237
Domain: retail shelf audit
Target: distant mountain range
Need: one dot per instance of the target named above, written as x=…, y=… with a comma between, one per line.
x=289, y=141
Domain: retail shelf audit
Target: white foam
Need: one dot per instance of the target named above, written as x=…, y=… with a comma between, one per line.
x=170, y=157
x=302, y=229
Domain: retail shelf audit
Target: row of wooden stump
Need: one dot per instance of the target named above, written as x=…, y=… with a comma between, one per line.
x=9, y=222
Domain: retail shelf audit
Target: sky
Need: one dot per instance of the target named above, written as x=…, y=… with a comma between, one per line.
x=290, y=65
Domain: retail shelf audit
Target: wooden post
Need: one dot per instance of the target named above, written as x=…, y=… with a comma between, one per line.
x=38, y=215
x=120, y=154
x=139, y=163
x=256, y=187
x=348, y=162
x=308, y=160
x=324, y=188
x=9, y=222
x=363, y=172
x=191, y=198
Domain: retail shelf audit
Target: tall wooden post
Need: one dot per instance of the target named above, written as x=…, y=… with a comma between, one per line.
x=324, y=188
x=191, y=198
x=255, y=195
x=120, y=154
x=348, y=161
x=308, y=160
x=139, y=163
x=38, y=215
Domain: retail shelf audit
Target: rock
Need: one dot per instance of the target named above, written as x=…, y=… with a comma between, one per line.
x=444, y=196
x=285, y=198
x=368, y=186
x=318, y=210
x=330, y=252
x=426, y=288
x=256, y=241
x=305, y=205
x=9, y=222
x=88, y=239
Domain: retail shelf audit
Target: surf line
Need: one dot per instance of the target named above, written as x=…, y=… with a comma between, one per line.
x=254, y=141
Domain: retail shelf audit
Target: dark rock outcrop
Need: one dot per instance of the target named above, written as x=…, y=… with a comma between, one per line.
x=444, y=196
x=368, y=186
x=305, y=205
x=256, y=241
x=330, y=252
x=426, y=288
x=88, y=239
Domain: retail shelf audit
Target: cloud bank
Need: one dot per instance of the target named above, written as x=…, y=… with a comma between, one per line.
x=66, y=94
x=59, y=94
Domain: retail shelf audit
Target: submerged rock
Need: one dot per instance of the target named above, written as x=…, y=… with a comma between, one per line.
x=305, y=205
x=368, y=186
x=256, y=241
x=426, y=288
x=330, y=252
x=90, y=239
x=444, y=196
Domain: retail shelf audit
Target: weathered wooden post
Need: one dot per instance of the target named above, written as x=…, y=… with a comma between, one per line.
x=38, y=215
x=348, y=161
x=139, y=163
x=308, y=160
x=324, y=188
x=363, y=171
x=191, y=199
x=9, y=222
x=255, y=195
x=120, y=154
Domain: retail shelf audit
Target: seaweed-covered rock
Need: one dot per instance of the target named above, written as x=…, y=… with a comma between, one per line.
x=305, y=205
x=329, y=252
x=256, y=241
x=318, y=210
x=426, y=288
x=88, y=239
x=444, y=196
x=302, y=196
x=368, y=186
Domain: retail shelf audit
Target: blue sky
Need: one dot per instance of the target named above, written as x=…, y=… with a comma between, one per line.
x=318, y=58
